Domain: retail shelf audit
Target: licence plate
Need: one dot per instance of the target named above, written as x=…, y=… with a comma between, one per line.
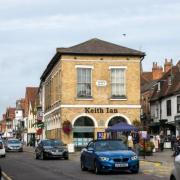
x=121, y=165
x=58, y=153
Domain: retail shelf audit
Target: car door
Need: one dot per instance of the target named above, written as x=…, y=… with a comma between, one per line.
x=90, y=155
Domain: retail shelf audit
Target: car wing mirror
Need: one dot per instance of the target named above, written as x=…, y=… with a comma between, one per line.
x=90, y=149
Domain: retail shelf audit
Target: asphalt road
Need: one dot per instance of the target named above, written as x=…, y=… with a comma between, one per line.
x=23, y=166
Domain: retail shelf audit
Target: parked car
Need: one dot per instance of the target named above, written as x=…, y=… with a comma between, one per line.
x=14, y=145
x=51, y=148
x=108, y=155
x=2, y=149
x=175, y=173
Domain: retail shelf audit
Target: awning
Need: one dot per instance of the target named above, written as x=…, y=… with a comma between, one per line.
x=122, y=127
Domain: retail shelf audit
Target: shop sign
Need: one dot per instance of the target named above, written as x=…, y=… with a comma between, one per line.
x=100, y=135
x=101, y=110
x=101, y=83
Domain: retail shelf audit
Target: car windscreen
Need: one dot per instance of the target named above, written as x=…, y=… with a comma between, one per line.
x=52, y=143
x=110, y=146
x=13, y=142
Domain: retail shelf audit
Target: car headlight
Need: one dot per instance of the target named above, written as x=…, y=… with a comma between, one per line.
x=134, y=157
x=104, y=158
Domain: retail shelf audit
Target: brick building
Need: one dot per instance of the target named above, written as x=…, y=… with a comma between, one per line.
x=88, y=87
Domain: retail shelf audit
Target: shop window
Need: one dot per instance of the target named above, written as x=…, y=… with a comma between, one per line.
x=84, y=121
x=84, y=82
x=178, y=104
x=168, y=106
x=118, y=83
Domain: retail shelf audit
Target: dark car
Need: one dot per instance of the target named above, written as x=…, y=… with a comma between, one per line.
x=51, y=148
x=108, y=155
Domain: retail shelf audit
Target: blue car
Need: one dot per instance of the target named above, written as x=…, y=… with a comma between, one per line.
x=108, y=155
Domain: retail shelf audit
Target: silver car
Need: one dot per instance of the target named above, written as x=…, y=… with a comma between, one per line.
x=175, y=174
x=14, y=145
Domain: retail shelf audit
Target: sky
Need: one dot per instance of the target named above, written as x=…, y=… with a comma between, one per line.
x=31, y=30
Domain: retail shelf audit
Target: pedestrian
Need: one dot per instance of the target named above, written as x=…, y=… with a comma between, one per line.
x=161, y=144
x=130, y=142
x=176, y=146
x=173, y=140
x=135, y=138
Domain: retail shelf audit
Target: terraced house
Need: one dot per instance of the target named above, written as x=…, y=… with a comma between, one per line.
x=88, y=87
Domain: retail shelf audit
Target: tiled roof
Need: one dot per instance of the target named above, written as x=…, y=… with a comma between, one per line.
x=168, y=90
x=30, y=97
x=99, y=47
x=146, y=77
x=148, y=86
x=10, y=113
x=92, y=47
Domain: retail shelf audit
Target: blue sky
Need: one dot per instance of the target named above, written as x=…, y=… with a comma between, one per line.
x=31, y=30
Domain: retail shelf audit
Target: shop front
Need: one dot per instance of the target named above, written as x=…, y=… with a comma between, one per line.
x=83, y=131
x=89, y=125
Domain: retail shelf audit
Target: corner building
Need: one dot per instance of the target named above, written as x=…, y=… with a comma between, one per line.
x=92, y=85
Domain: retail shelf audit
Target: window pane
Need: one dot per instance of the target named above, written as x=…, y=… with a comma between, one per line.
x=84, y=82
x=178, y=104
x=118, y=82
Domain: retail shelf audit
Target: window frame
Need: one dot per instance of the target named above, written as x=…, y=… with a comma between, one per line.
x=83, y=67
x=119, y=97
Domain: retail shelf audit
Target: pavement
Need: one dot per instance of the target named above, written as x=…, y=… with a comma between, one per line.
x=164, y=157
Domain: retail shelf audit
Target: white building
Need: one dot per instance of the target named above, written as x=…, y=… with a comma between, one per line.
x=165, y=102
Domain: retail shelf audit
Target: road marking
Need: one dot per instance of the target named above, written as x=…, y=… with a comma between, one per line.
x=5, y=176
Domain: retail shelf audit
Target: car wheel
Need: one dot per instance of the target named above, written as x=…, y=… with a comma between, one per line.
x=83, y=168
x=36, y=156
x=42, y=156
x=66, y=158
x=96, y=169
x=135, y=171
x=172, y=178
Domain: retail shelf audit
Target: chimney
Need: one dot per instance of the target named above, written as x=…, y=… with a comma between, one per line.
x=167, y=65
x=157, y=71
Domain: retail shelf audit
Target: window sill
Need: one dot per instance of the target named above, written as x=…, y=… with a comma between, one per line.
x=84, y=99
x=118, y=99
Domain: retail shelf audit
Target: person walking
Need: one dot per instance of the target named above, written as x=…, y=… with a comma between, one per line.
x=135, y=138
x=176, y=146
x=173, y=140
x=161, y=144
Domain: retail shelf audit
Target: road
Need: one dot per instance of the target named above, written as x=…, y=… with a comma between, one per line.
x=23, y=166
